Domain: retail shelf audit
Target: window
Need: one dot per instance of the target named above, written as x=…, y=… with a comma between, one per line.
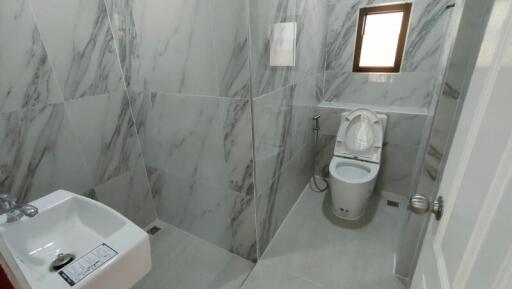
x=380, y=41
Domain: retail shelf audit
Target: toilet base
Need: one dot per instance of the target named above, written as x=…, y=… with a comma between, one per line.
x=335, y=212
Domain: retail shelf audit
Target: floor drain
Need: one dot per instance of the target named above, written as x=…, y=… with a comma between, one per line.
x=393, y=204
x=153, y=230
x=61, y=261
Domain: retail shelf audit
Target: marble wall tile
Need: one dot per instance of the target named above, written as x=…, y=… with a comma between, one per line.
x=341, y=34
x=165, y=46
x=426, y=35
x=26, y=76
x=405, y=129
x=199, y=156
x=275, y=202
x=81, y=46
x=311, y=37
x=282, y=126
x=263, y=14
x=461, y=62
x=130, y=195
x=231, y=47
x=50, y=141
x=206, y=138
x=397, y=166
x=218, y=215
x=284, y=104
x=39, y=154
x=310, y=16
x=324, y=150
x=393, y=90
x=106, y=133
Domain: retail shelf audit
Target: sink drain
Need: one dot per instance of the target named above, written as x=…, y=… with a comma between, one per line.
x=61, y=261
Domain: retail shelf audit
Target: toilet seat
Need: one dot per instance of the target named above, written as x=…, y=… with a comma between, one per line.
x=355, y=172
x=360, y=136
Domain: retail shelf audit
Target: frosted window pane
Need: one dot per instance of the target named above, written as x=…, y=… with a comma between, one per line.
x=380, y=39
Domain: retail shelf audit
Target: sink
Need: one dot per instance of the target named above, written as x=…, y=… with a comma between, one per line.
x=108, y=250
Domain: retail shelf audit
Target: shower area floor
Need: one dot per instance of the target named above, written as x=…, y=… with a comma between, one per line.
x=314, y=250
x=311, y=250
x=183, y=261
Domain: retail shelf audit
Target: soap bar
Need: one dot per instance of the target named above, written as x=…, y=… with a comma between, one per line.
x=87, y=264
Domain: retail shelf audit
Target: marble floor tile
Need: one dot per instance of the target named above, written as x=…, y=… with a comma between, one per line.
x=315, y=246
x=269, y=276
x=183, y=261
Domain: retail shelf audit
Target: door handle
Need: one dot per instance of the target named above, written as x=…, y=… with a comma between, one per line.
x=420, y=205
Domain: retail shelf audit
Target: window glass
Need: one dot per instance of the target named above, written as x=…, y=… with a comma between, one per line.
x=380, y=39
x=381, y=34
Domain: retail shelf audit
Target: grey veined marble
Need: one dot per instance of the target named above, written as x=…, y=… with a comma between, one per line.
x=130, y=195
x=165, y=45
x=405, y=90
x=26, y=77
x=39, y=154
x=81, y=44
x=106, y=132
x=311, y=19
x=183, y=46
x=426, y=35
x=199, y=156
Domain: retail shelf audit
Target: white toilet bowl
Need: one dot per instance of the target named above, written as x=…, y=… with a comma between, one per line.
x=354, y=168
x=352, y=183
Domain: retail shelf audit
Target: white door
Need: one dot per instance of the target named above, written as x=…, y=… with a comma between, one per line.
x=471, y=246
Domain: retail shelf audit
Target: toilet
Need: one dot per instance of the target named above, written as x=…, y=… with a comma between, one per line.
x=354, y=168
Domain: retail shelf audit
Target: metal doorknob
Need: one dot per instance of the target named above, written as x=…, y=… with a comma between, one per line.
x=422, y=205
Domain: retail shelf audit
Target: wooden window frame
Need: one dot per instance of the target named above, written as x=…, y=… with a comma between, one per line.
x=363, y=13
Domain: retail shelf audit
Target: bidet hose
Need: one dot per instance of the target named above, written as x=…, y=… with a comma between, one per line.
x=316, y=130
x=314, y=185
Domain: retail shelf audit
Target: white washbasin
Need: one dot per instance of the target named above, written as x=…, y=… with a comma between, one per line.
x=71, y=224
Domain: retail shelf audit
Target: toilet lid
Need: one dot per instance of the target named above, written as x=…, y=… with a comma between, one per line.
x=360, y=135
